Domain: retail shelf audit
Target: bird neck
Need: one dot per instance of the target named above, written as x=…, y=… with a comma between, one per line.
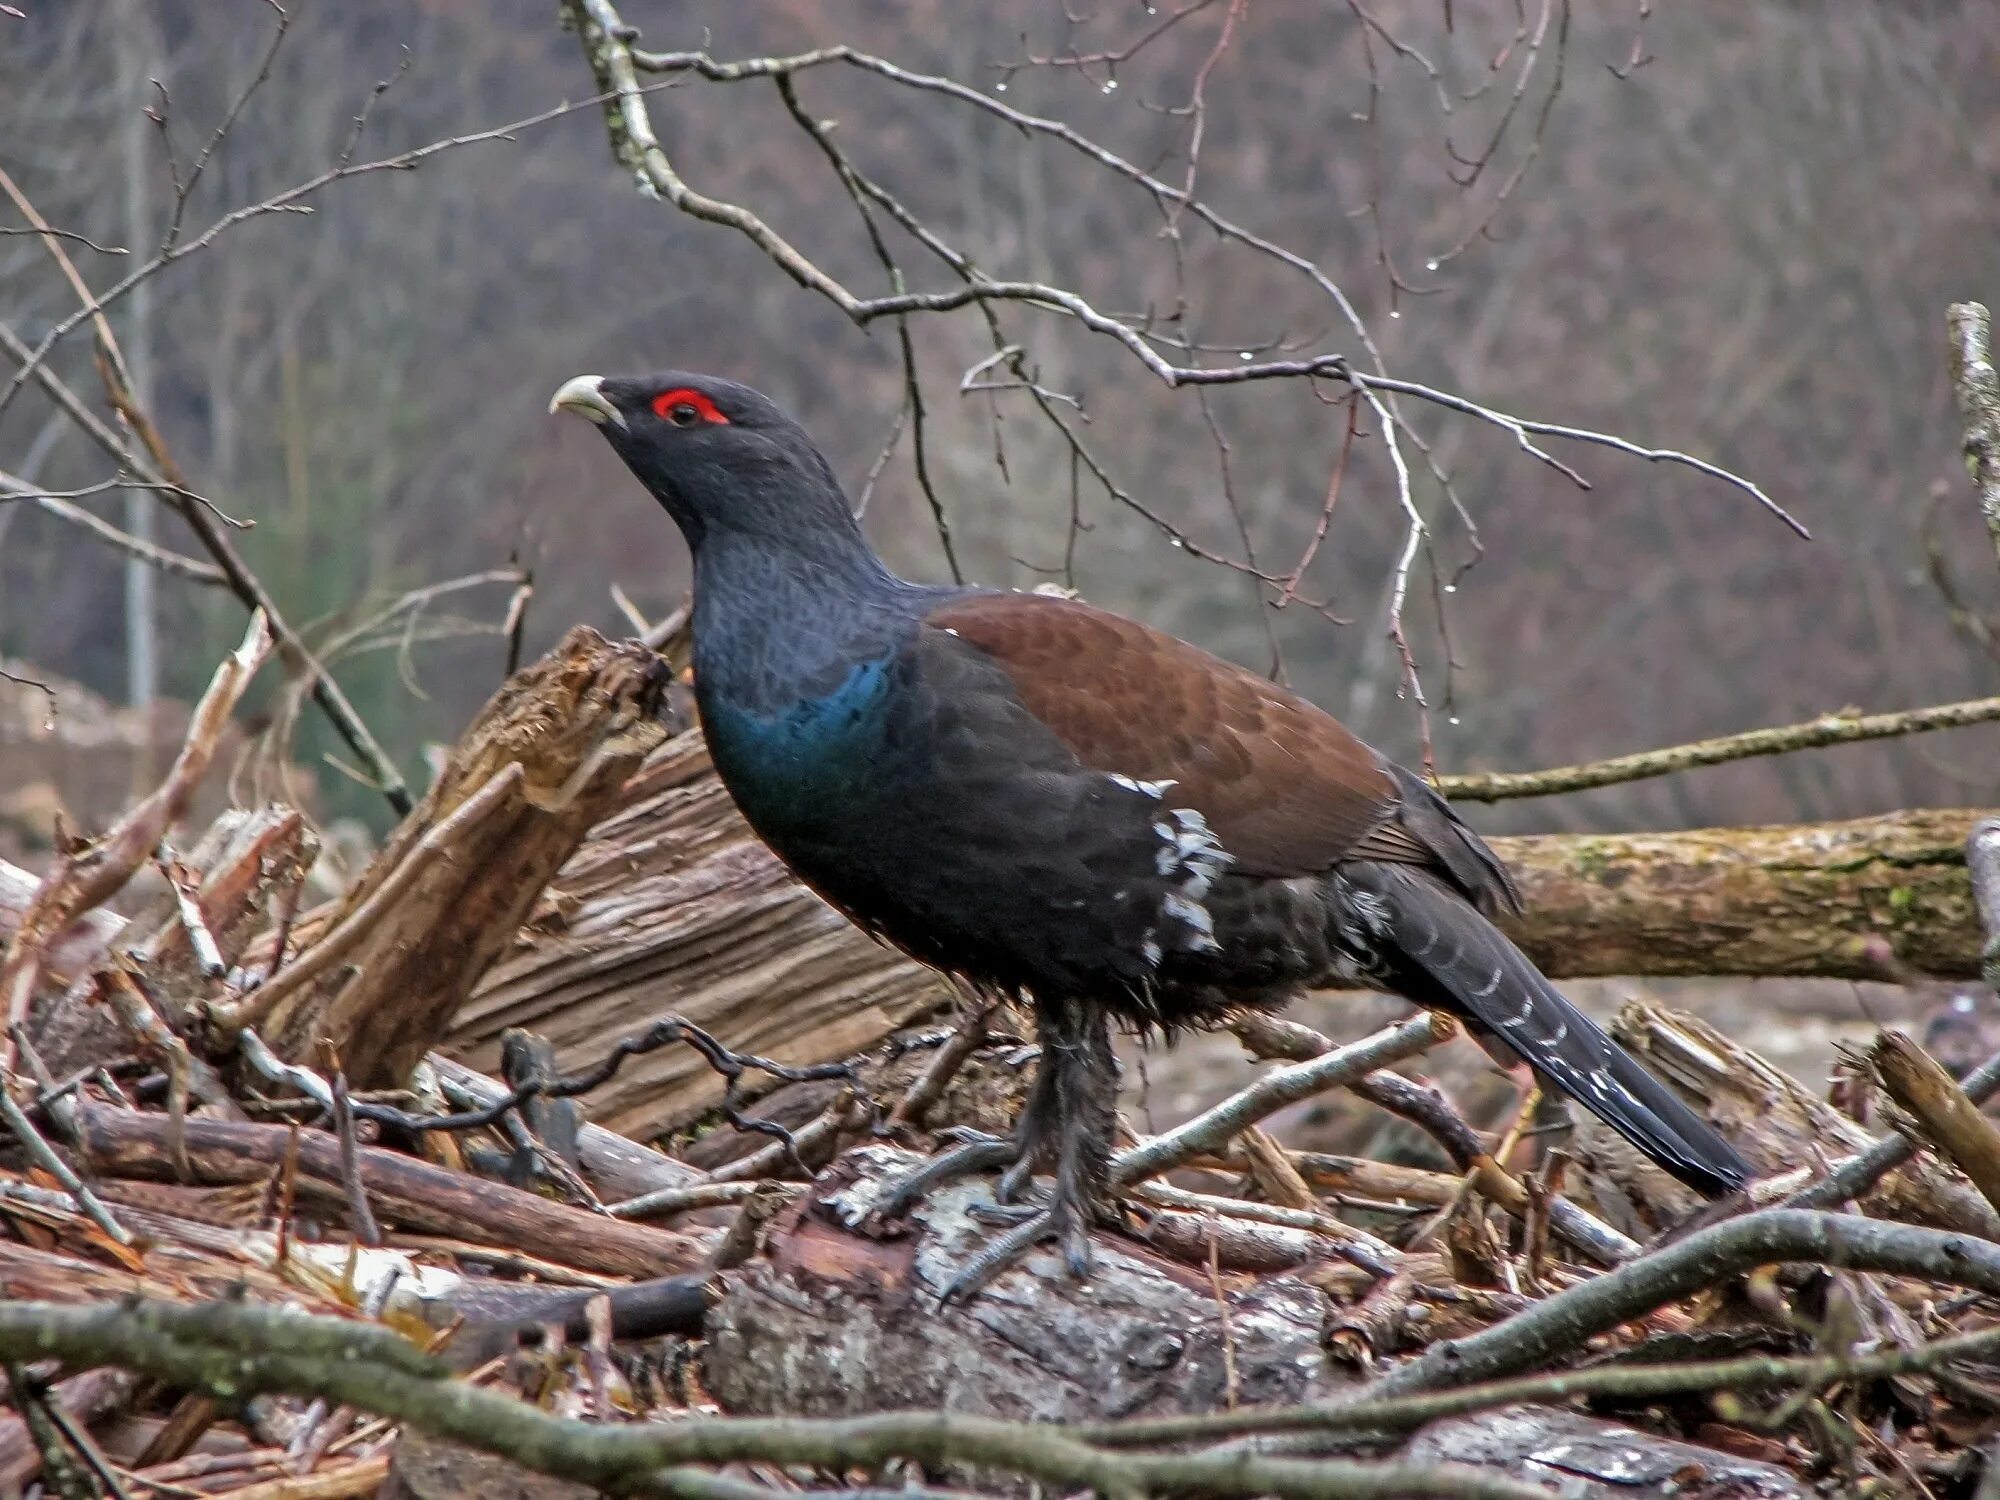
x=778, y=621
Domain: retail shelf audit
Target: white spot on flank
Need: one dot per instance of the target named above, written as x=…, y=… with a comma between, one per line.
x=1190, y=856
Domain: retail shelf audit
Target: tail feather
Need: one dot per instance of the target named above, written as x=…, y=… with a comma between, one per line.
x=1441, y=952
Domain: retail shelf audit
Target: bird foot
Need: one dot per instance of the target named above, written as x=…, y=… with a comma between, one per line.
x=1064, y=1220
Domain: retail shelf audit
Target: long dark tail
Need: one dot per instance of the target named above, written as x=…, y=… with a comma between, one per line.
x=1436, y=949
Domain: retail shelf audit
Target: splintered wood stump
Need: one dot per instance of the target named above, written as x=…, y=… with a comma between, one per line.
x=246, y=864
x=381, y=974
x=831, y=1321
x=1776, y=1122
x=674, y=905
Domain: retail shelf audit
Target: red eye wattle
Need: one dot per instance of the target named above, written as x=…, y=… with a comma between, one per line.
x=686, y=406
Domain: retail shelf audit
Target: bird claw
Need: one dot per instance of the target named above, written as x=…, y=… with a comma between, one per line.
x=1003, y=1213
x=1017, y=1183
x=1062, y=1221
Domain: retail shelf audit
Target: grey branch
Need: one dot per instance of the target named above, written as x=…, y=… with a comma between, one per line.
x=1213, y=1129
x=1780, y=739
x=1561, y=1325
x=615, y=64
x=232, y=1351
x=1977, y=388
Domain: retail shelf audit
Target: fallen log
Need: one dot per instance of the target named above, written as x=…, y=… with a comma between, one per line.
x=674, y=905
x=1853, y=900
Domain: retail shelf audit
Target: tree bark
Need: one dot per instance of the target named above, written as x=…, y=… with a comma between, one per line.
x=832, y=1322
x=1852, y=900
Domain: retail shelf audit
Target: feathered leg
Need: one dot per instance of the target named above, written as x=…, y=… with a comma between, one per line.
x=1078, y=1089
x=980, y=1152
x=1071, y=1116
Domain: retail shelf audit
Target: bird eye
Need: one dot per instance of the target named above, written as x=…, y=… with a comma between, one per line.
x=683, y=414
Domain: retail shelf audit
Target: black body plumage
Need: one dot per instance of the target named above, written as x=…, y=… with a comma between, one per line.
x=1064, y=805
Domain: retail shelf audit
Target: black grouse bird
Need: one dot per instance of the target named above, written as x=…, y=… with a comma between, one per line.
x=1071, y=807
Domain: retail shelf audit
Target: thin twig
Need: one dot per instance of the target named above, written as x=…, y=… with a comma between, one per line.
x=1212, y=1129
x=46, y=1157
x=361, y=1217
x=1828, y=729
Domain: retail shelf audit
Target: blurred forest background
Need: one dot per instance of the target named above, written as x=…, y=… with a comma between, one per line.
x=1742, y=246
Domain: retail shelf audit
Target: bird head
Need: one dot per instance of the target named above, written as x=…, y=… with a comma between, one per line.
x=718, y=456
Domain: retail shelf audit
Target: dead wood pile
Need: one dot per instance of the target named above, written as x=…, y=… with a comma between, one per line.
x=304, y=1203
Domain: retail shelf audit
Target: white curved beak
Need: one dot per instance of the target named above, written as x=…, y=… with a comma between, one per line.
x=585, y=396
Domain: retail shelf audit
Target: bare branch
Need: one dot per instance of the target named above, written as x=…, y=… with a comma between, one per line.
x=235, y=1351
x=58, y=505
x=614, y=63
x=1829, y=729
x=1212, y=1129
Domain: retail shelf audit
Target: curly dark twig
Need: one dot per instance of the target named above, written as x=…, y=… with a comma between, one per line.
x=665, y=1032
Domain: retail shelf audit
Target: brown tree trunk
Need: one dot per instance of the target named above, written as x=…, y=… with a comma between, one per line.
x=1854, y=900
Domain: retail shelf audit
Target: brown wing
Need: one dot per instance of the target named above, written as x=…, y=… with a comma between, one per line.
x=1283, y=785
